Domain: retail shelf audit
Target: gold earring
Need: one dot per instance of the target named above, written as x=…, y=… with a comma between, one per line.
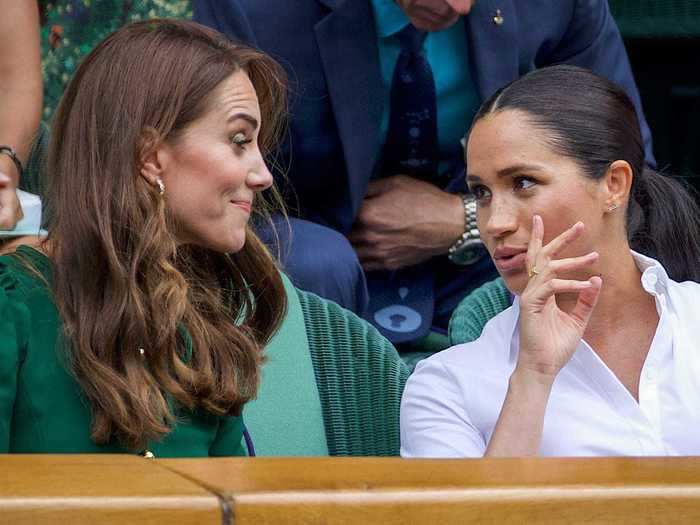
x=161, y=187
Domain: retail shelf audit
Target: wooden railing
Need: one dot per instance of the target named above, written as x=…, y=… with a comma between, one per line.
x=126, y=489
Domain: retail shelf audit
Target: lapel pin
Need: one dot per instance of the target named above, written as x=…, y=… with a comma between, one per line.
x=498, y=18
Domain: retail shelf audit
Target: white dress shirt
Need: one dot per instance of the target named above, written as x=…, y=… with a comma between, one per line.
x=453, y=399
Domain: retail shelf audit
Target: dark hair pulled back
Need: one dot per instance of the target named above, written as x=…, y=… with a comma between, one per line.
x=591, y=120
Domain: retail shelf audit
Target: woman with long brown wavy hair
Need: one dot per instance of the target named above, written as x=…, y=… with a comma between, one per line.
x=139, y=323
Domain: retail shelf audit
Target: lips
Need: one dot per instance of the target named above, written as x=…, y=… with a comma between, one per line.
x=510, y=259
x=244, y=205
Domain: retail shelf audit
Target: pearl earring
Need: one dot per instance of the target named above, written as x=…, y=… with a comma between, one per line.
x=161, y=187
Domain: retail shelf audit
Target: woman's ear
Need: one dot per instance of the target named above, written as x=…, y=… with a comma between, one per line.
x=152, y=157
x=618, y=183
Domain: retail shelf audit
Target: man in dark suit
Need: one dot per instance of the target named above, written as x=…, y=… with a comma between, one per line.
x=343, y=57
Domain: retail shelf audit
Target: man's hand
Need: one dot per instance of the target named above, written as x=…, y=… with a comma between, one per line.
x=10, y=209
x=404, y=221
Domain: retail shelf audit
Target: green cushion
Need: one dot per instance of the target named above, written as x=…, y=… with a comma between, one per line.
x=286, y=418
x=476, y=309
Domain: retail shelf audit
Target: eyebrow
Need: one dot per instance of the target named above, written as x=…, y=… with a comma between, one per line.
x=244, y=116
x=506, y=172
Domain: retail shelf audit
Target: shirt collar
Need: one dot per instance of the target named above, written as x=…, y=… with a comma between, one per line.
x=654, y=281
x=654, y=276
x=389, y=18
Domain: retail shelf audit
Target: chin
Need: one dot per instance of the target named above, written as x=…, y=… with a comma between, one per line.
x=515, y=283
x=431, y=26
x=232, y=244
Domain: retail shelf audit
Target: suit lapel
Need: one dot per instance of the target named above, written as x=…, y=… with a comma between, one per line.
x=347, y=43
x=493, y=47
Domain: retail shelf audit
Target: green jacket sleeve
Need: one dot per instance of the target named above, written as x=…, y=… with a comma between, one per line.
x=14, y=323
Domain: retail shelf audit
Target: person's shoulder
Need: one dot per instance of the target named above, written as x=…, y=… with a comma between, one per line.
x=685, y=296
x=23, y=272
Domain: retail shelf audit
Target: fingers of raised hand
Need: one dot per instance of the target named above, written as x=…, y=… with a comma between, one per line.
x=535, y=245
x=558, y=266
x=587, y=299
x=539, y=256
x=561, y=241
x=551, y=269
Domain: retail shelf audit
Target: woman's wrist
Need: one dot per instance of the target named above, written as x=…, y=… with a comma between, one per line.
x=530, y=380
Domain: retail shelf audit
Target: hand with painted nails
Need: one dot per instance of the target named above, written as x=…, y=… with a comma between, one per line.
x=549, y=335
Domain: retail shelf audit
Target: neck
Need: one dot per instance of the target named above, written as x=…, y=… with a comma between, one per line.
x=621, y=289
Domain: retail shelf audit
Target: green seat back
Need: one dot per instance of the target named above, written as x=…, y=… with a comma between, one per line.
x=286, y=417
x=360, y=379
x=476, y=309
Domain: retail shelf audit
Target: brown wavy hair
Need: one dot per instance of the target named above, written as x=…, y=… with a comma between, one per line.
x=121, y=282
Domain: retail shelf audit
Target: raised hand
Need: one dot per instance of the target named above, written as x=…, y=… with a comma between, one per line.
x=548, y=335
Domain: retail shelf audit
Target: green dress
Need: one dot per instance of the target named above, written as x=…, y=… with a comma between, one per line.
x=42, y=409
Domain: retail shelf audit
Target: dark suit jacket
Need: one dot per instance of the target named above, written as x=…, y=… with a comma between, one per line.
x=329, y=48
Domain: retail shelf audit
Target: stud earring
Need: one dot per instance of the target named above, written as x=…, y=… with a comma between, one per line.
x=161, y=187
x=612, y=207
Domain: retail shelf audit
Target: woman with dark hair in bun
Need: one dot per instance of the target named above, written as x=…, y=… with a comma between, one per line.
x=599, y=353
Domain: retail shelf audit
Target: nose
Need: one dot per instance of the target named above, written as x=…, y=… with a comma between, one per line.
x=259, y=177
x=501, y=219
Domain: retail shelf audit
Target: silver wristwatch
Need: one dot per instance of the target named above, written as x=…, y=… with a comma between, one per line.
x=468, y=248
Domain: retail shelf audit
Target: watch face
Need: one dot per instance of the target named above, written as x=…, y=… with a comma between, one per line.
x=469, y=253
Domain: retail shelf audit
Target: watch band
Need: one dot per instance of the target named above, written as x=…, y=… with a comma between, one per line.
x=467, y=248
x=10, y=152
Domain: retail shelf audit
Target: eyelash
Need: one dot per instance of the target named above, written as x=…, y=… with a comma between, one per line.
x=481, y=192
x=239, y=140
x=517, y=180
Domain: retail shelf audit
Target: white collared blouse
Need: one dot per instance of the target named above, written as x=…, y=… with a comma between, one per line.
x=453, y=399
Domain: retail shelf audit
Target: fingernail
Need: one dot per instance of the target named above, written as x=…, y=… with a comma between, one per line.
x=4, y=178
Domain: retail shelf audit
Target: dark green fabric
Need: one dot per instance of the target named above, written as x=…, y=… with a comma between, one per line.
x=476, y=309
x=41, y=406
x=360, y=379
x=657, y=18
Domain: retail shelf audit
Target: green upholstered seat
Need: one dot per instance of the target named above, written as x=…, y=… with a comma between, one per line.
x=332, y=385
x=360, y=379
x=476, y=309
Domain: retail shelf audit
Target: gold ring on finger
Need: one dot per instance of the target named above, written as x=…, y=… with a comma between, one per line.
x=532, y=272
